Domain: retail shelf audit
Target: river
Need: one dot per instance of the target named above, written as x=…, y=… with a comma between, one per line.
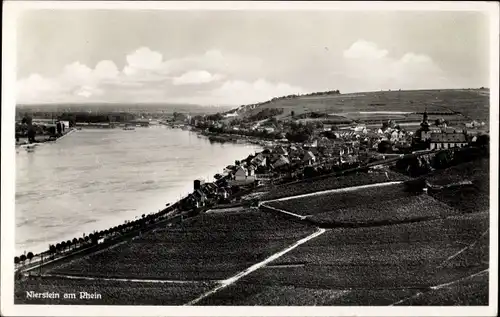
x=95, y=179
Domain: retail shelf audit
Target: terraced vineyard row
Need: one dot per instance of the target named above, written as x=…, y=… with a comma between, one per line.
x=211, y=246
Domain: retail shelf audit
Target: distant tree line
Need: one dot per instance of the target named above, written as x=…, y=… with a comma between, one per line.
x=73, y=117
x=292, y=96
x=264, y=114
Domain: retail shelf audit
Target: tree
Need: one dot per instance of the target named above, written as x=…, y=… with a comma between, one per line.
x=30, y=256
x=217, y=176
x=81, y=241
x=52, y=249
x=63, y=245
x=237, y=163
x=16, y=260
x=384, y=147
x=293, y=113
x=58, y=247
x=22, y=258
x=483, y=140
x=75, y=242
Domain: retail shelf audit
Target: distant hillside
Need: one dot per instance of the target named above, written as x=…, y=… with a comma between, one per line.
x=469, y=103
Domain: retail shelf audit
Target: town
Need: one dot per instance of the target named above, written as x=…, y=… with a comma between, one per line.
x=294, y=151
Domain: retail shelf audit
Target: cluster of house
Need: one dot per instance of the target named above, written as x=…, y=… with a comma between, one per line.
x=442, y=137
x=205, y=194
x=283, y=157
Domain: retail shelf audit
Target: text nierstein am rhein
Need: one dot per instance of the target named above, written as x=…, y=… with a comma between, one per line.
x=54, y=295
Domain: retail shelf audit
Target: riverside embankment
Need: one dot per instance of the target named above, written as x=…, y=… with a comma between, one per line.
x=95, y=179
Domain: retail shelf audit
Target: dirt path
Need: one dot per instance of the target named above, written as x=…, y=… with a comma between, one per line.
x=136, y=280
x=337, y=190
x=285, y=212
x=235, y=278
x=436, y=287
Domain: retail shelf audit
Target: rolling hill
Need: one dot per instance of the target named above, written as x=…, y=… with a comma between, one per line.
x=470, y=104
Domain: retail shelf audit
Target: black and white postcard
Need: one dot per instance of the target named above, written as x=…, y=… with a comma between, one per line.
x=249, y=158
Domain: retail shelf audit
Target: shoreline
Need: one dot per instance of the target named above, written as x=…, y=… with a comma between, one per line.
x=169, y=199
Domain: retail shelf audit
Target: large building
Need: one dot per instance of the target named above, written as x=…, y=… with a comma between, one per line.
x=438, y=138
x=447, y=140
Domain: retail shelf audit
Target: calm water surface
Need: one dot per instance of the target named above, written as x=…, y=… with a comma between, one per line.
x=94, y=179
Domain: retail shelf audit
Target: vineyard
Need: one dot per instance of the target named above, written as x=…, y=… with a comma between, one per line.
x=112, y=292
x=333, y=182
x=386, y=211
x=372, y=266
x=211, y=246
x=329, y=202
x=477, y=171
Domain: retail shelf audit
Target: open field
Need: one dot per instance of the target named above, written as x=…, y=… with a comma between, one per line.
x=373, y=266
x=210, y=246
x=112, y=292
x=333, y=182
x=472, y=103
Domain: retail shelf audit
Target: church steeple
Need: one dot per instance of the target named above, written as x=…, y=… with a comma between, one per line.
x=425, y=124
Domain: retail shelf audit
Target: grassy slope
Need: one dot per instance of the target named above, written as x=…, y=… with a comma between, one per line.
x=211, y=246
x=471, y=103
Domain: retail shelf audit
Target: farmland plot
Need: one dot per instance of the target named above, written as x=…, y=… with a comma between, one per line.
x=312, y=205
x=333, y=182
x=473, y=292
x=468, y=199
x=366, y=266
x=409, y=208
x=210, y=246
x=477, y=171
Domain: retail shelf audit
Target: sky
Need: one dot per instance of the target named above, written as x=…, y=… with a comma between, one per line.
x=241, y=57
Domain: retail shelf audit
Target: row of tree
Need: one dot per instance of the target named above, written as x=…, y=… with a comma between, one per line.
x=292, y=96
x=93, y=238
x=21, y=259
x=418, y=165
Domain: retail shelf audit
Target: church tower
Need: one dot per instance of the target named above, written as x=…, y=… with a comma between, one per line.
x=425, y=123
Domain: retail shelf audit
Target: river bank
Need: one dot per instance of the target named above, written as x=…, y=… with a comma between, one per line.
x=24, y=140
x=97, y=179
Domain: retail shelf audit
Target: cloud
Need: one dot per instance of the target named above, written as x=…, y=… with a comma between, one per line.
x=220, y=77
x=147, y=76
x=196, y=77
x=143, y=59
x=243, y=92
x=362, y=49
x=373, y=69
x=106, y=70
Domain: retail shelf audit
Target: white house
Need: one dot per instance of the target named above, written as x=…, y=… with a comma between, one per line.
x=243, y=174
x=309, y=158
x=281, y=161
x=240, y=174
